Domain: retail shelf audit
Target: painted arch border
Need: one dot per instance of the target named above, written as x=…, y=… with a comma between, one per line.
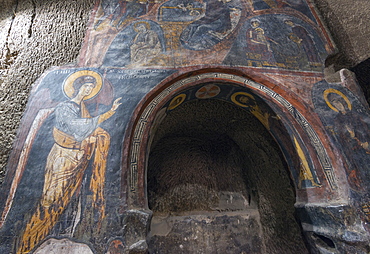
x=135, y=149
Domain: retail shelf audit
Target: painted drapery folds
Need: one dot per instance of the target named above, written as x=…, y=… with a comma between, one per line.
x=348, y=122
x=79, y=172
x=71, y=157
x=78, y=139
x=269, y=34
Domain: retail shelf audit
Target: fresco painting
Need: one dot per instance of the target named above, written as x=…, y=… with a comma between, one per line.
x=306, y=175
x=76, y=174
x=145, y=46
x=348, y=123
x=303, y=173
x=77, y=119
x=278, y=41
x=141, y=44
x=208, y=91
x=300, y=6
x=78, y=139
x=258, y=45
x=210, y=29
x=177, y=101
x=180, y=11
x=280, y=35
x=115, y=13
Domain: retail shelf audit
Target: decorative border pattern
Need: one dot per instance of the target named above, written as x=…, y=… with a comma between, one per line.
x=312, y=135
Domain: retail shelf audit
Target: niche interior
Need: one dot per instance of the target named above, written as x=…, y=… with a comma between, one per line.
x=217, y=179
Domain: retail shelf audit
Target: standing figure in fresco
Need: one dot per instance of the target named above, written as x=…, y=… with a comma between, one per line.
x=198, y=35
x=78, y=140
x=304, y=40
x=146, y=45
x=258, y=45
x=353, y=134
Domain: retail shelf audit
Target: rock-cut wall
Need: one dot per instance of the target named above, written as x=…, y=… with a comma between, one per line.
x=34, y=36
x=105, y=86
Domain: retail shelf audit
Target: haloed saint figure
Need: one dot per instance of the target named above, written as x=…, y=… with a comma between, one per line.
x=78, y=139
x=351, y=130
x=146, y=45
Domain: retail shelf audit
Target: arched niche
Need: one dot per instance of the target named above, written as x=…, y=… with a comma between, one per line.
x=139, y=133
x=298, y=144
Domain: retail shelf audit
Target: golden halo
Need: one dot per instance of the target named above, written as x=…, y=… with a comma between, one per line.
x=68, y=83
x=332, y=90
x=235, y=95
x=147, y=25
x=177, y=101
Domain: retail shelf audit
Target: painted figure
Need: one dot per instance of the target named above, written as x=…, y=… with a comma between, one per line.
x=304, y=40
x=247, y=100
x=306, y=178
x=198, y=35
x=146, y=45
x=117, y=13
x=180, y=11
x=132, y=10
x=352, y=133
x=360, y=139
x=78, y=140
x=258, y=44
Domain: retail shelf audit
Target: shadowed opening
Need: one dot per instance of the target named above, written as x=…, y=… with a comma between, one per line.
x=218, y=182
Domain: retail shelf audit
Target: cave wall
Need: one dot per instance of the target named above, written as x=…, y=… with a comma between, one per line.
x=35, y=37
x=346, y=22
x=25, y=32
x=231, y=171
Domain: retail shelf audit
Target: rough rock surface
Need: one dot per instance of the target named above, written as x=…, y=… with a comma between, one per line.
x=264, y=171
x=348, y=23
x=207, y=233
x=34, y=36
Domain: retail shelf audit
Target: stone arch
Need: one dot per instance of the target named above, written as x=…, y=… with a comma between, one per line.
x=135, y=154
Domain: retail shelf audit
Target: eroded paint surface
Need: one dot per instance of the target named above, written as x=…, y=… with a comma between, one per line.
x=80, y=163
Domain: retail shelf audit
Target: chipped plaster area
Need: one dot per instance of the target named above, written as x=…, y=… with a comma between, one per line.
x=38, y=34
x=34, y=36
x=63, y=246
